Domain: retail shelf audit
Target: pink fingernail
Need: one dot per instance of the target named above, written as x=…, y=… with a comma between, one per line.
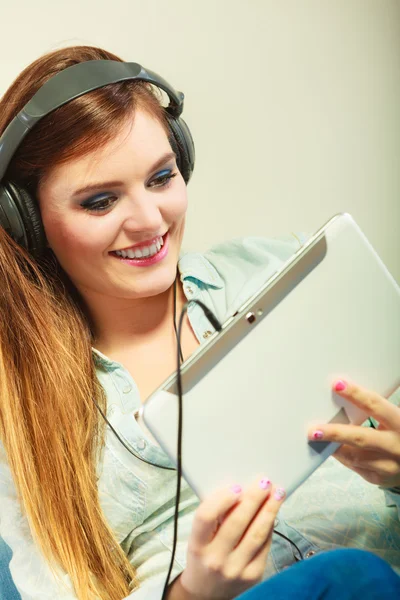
x=279, y=494
x=340, y=385
x=236, y=489
x=318, y=435
x=265, y=484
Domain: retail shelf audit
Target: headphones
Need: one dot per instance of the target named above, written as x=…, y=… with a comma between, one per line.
x=19, y=211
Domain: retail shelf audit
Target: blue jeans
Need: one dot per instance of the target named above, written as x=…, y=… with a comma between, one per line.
x=8, y=591
x=334, y=575
x=343, y=574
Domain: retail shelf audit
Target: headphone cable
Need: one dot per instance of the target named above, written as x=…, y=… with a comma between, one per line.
x=178, y=332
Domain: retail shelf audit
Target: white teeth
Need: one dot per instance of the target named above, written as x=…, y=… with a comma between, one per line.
x=144, y=252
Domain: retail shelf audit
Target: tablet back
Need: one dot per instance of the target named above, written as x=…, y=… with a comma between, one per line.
x=252, y=391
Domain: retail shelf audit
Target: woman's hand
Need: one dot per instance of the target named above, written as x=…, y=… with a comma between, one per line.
x=372, y=453
x=230, y=541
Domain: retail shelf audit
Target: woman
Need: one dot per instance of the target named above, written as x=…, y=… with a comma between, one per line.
x=76, y=506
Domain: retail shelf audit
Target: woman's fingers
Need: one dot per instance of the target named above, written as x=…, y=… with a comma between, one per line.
x=211, y=511
x=372, y=403
x=382, y=467
x=246, y=529
x=236, y=523
x=384, y=440
x=230, y=540
x=251, y=572
x=376, y=479
x=370, y=476
x=364, y=438
x=230, y=512
x=257, y=537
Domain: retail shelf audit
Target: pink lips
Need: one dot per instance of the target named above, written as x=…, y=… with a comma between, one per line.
x=147, y=262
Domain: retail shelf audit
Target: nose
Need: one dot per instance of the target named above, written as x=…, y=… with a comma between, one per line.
x=143, y=215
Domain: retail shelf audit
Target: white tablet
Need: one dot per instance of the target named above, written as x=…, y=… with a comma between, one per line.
x=252, y=391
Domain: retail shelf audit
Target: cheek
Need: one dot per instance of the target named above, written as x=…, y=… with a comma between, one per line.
x=71, y=236
x=177, y=203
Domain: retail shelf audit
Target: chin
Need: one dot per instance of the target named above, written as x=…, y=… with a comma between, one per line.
x=162, y=283
x=155, y=283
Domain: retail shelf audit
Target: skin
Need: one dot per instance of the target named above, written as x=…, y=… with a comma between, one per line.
x=230, y=542
x=131, y=307
x=139, y=209
x=373, y=454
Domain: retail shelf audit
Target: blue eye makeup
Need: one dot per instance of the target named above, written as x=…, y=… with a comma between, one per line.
x=99, y=203
x=162, y=178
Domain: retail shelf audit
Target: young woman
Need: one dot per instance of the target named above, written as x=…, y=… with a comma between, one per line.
x=91, y=323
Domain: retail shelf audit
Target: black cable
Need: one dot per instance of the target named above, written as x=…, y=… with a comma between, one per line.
x=179, y=474
x=179, y=455
x=291, y=542
x=178, y=331
x=178, y=337
x=113, y=429
x=126, y=446
x=216, y=324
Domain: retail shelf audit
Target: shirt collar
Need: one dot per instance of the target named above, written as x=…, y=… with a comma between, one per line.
x=195, y=266
x=103, y=361
x=192, y=265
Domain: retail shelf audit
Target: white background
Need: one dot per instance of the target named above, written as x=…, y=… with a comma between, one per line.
x=294, y=105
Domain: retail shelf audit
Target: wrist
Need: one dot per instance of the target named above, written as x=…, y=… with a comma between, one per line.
x=178, y=592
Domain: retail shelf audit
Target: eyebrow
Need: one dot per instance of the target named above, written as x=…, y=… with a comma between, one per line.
x=109, y=184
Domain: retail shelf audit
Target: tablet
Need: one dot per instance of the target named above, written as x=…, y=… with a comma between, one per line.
x=251, y=392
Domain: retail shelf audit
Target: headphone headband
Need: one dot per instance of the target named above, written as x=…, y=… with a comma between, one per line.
x=71, y=83
x=19, y=210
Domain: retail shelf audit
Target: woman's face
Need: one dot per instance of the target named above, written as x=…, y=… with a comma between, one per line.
x=115, y=218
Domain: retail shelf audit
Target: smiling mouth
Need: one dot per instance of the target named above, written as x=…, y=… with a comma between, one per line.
x=143, y=251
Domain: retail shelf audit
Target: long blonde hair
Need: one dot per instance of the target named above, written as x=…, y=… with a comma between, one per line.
x=49, y=425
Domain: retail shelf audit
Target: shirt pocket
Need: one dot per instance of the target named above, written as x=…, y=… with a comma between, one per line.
x=122, y=495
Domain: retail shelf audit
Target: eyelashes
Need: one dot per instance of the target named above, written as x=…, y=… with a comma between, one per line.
x=99, y=203
x=162, y=178
x=103, y=202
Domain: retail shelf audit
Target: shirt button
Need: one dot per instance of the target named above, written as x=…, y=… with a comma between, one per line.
x=276, y=522
x=141, y=444
x=310, y=553
x=190, y=292
x=122, y=381
x=207, y=334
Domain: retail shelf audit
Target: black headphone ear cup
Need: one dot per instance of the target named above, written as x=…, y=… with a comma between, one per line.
x=29, y=213
x=182, y=144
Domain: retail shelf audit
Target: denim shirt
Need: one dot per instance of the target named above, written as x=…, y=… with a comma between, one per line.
x=333, y=508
